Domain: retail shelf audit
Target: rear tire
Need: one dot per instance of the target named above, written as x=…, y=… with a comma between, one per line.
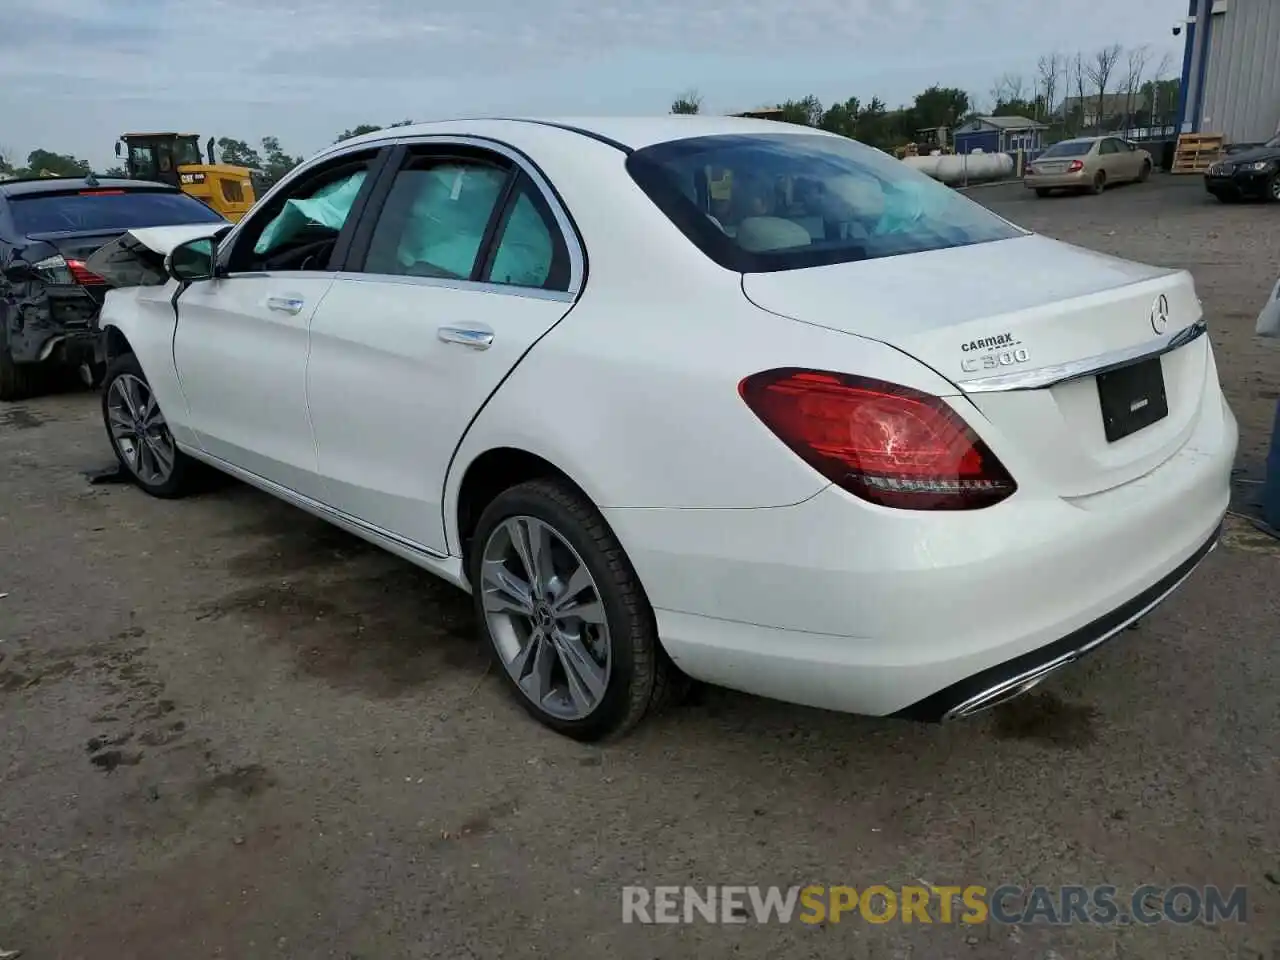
x=143, y=443
x=1099, y=183
x=17, y=380
x=1043, y=192
x=576, y=547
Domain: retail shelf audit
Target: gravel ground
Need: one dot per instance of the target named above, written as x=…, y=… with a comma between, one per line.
x=227, y=730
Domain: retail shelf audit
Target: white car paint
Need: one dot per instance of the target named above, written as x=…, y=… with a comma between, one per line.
x=763, y=575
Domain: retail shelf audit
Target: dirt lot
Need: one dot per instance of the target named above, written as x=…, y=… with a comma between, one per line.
x=227, y=730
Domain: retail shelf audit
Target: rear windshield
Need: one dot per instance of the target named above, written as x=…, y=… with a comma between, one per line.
x=104, y=210
x=1069, y=148
x=767, y=202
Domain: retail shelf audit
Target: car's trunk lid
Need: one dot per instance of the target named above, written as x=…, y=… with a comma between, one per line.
x=1008, y=309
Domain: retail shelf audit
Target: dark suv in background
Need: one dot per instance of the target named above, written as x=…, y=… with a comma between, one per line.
x=48, y=299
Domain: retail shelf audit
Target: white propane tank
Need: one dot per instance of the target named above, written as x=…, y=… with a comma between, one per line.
x=926, y=165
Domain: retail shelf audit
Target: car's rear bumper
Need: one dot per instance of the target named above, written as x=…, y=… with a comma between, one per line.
x=57, y=323
x=836, y=604
x=1057, y=181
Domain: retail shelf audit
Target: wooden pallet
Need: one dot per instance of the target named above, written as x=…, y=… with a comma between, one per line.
x=1196, y=152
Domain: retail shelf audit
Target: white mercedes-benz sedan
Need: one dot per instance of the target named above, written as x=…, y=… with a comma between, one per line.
x=698, y=396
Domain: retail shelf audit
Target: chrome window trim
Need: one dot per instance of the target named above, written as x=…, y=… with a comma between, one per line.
x=471, y=286
x=1056, y=374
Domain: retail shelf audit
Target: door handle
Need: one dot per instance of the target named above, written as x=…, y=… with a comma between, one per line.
x=291, y=305
x=477, y=338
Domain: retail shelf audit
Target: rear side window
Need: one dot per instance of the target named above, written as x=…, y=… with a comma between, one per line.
x=1069, y=148
x=434, y=221
x=102, y=210
x=759, y=203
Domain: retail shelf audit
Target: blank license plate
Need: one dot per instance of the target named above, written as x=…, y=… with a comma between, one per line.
x=1132, y=398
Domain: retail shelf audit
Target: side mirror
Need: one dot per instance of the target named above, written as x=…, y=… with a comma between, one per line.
x=18, y=271
x=193, y=260
x=117, y=148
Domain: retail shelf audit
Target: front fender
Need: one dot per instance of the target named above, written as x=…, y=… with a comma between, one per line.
x=147, y=318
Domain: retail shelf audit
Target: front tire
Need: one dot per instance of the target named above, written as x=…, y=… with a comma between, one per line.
x=564, y=612
x=1273, y=189
x=1145, y=174
x=1043, y=192
x=139, y=433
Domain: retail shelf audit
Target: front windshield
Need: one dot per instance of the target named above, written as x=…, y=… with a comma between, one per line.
x=767, y=202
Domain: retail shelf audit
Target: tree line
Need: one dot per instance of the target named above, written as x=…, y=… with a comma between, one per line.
x=269, y=161
x=1110, y=89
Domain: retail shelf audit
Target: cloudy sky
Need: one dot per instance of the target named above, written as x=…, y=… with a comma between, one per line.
x=76, y=73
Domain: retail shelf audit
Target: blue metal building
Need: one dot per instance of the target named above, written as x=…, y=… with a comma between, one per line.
x=999, y=135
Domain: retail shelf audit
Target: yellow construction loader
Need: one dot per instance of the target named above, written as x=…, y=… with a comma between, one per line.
x=175, y=158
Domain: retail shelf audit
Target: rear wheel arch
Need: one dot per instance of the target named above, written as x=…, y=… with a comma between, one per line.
x=492, y=473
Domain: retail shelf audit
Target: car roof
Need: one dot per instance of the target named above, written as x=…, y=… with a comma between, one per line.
x=38, y=185
x=630, y=133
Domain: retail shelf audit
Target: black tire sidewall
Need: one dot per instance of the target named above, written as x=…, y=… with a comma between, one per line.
x=1099, y=183
x=176, y=484
x=632, y=632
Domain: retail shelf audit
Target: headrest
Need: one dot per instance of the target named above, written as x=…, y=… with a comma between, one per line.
x=762, y=234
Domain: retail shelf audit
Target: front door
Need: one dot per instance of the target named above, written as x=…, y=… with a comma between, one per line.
x=242, y=338
x=466, y=267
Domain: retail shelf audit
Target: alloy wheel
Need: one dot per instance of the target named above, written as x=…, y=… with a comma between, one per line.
x=1275, y=188
x=546, y=617
x=139, y=430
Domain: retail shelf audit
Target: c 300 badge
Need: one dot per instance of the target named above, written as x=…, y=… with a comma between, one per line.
x=1008, y=357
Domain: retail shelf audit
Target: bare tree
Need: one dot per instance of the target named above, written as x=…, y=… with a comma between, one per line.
x=1139, y=57
x=1099, y=71
x=688, y=102
x=1050, y=68
x=1158, y=108
x=1009, y=87
x=1075, y=79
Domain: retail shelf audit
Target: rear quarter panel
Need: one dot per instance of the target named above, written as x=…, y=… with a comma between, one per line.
x=634, y=394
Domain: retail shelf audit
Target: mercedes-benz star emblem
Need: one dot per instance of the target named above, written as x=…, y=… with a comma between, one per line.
x=1160, y=314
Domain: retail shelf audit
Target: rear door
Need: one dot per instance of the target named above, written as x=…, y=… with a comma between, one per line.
x=242, y=338
x=457, y=269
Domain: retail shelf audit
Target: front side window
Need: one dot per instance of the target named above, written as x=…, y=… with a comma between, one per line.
x=301, y=228
x=434, y=220
x=765, y=202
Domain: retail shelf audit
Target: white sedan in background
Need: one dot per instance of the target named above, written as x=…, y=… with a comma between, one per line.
x=727, y=397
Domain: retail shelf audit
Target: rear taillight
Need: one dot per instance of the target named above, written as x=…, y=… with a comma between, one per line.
x=885, y=443
x=58, y=269
x=1075, y=166
x=83, y=276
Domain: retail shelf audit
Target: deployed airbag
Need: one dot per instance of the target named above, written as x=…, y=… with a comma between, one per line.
x=329, y=207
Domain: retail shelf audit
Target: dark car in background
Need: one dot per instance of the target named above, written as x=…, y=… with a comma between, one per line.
x=49, y=300
x=1252, y=174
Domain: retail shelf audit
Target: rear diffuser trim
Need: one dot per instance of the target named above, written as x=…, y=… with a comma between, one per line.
x=1003, y=681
